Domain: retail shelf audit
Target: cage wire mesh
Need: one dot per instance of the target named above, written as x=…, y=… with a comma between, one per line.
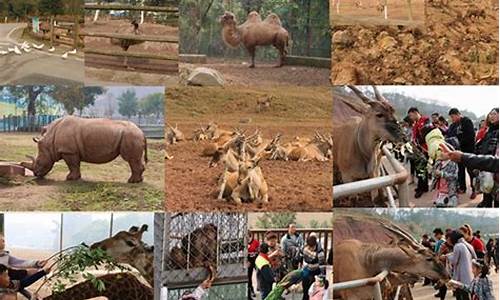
x=193, y=240
x=229, y=292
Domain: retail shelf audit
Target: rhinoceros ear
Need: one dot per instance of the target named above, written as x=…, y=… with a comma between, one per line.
x=36, y=140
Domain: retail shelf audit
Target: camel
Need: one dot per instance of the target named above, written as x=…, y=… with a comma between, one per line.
x=255, y=32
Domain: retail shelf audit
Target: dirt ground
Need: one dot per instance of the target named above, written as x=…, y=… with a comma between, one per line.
x=457, y=45
x=299, y=186
x=237, y=73
x=397, y=9
x=99, y=75
x=102, y=187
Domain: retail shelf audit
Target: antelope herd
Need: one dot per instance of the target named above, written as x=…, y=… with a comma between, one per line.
x=242, y=179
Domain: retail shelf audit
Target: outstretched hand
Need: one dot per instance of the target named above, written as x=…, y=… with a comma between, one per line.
x=447, y=153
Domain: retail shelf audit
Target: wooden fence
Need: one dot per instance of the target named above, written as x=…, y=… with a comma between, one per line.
x=25, y=123
x=63, y=30
x=172, y=13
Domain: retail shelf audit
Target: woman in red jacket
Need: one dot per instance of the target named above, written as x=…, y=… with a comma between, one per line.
x=253, y=252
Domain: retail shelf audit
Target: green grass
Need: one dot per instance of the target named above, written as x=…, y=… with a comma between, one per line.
x=288, y=103
x=7, y=109
x=103, y=187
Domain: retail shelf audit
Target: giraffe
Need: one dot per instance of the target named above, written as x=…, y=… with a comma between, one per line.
x=127, y=247
x=119, y=286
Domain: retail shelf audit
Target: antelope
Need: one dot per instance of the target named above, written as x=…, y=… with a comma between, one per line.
x=264, y=104
x=404, y=258
x=356, y=153
x=174, y=135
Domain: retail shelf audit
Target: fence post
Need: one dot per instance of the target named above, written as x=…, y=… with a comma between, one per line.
x=76, y=32
x=410, y=12
x=51, y=31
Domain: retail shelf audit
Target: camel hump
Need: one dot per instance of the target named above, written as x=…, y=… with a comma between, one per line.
x=273, y=18
x=253, y=17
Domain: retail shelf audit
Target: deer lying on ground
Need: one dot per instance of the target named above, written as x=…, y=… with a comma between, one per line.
x=174, y=135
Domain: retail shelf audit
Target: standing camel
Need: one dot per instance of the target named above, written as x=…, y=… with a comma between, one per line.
x=255, y=32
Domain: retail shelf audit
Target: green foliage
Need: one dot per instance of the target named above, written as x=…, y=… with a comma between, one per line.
x=75, y=98
x=307, y=21
x=276, y=220
x=128, y=103
x=51, y=7
x=152, y=104
x=76, y=263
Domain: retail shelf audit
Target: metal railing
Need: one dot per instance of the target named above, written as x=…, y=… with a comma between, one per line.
x=396, y=177
x=375, y=281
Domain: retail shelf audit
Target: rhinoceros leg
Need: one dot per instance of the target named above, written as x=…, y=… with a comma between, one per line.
x=137, y=168
x=73, y=163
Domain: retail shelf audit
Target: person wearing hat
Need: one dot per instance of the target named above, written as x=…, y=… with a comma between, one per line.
x=265, y=274
x=481, y=287
x=319, y=289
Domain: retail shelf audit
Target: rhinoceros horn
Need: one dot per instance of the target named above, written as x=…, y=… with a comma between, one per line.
x=28, y=165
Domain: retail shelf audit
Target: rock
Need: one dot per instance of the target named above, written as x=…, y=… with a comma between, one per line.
x=344, y=73
x=11, y=170
x=365, y=37
x=387, y=43
x=342, y=39
x=205, y=77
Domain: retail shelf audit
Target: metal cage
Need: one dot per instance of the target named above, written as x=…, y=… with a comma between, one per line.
x=191, y=240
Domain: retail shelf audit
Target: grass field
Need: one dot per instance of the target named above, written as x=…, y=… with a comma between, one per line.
x=7, y=108
x=102, y=187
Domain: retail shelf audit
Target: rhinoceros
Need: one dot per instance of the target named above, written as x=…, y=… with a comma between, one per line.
x=97, y=141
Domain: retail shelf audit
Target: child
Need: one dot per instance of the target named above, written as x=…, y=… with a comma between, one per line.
x=10, y=287
x=481, y=287
x=445, y=172
x=319, y=289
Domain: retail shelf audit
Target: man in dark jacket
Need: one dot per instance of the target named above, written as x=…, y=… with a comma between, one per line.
x=467, y=138
x=418, y=133
x=264, y=271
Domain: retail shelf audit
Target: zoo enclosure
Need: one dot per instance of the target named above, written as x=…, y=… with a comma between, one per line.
x=181, y=232
x=307, y=25
x=25, y=123
x=59, y=30
x=375, y=281
x=172, y=14
x=393, y=175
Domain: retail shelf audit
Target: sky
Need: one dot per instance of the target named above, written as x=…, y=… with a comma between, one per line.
x=477, y=99
x=39, y=230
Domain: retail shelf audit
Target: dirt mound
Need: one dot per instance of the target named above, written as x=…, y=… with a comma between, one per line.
x=459, y=45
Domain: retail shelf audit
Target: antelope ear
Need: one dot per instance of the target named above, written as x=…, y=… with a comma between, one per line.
x=133, y=229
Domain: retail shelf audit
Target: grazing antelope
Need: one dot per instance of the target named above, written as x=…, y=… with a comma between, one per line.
x=264, y=104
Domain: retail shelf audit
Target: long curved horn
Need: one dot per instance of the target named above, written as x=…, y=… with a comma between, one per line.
x=403, y=234
x=378, y=95
x=360, y=94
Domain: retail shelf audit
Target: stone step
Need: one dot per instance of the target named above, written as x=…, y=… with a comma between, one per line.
x=10, y=169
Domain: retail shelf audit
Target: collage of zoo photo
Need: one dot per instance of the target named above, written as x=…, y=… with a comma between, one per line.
x=249, y=149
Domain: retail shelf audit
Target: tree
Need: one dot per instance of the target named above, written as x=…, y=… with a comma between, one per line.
x=153, y=104
x=29, y=95
x=128, y=103
x=276, y=220
x=75, y=97
x=51, y=7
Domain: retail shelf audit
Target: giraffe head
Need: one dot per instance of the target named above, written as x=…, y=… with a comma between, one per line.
x=127, y=247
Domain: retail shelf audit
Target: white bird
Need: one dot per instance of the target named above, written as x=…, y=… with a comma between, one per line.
x=38, y=46
x=72, y=51
x=17, y=51
x=65, y=55
x=27, y=50
x=3, y=52
x=52, y=49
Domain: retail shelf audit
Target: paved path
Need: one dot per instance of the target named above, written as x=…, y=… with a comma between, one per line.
x=36, y=67
x=427, y=292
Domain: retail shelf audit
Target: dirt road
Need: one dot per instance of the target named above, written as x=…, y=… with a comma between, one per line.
x=37, y=66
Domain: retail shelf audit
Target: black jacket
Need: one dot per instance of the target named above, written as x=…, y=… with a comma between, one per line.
x=466, y=135
x=488, y=145
x=487, y=163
